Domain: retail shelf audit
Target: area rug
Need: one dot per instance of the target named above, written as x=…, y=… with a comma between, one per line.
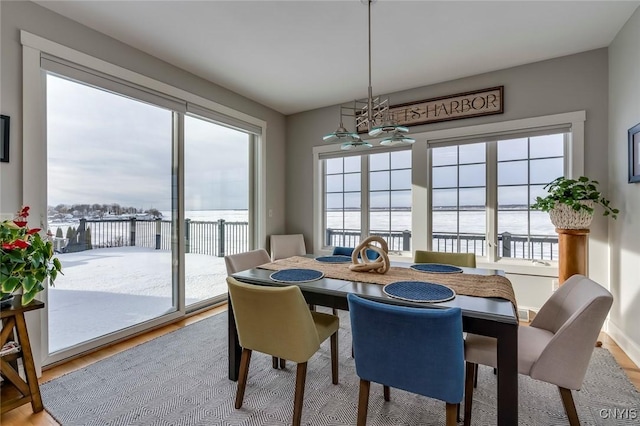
x=181, y=379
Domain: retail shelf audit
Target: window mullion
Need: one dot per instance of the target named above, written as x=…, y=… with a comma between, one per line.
x=364, y=197
x=491, y=245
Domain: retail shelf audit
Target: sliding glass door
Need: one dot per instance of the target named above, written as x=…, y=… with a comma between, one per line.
x=109, y=186
x=216, y=196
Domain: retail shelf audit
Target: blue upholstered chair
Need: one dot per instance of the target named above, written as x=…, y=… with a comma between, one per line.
x=347, y=251
x=414, y=349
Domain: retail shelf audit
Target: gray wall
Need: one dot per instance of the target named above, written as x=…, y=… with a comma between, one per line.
x=40, y=21
x=571, y=83
x=624, y=234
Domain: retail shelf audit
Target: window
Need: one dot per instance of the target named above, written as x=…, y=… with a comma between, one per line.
x=390, y=198
x=462, y=205
x=342, y=200
x=458, y=175
x=385, y=211
x=525, y=165
x=467, y=189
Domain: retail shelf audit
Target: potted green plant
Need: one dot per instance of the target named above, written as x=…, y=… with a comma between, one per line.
x=27, y=259
x=571, y=202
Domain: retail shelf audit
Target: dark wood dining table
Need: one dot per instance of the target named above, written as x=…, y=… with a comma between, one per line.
x=494, y=317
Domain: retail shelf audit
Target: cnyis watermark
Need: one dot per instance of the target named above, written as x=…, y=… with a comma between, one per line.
x=618, y=413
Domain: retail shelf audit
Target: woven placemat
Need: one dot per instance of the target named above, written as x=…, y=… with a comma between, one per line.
x=465, y=284
x=296, y=275
x=334, y=259
x=436, y=268
x=419, y=291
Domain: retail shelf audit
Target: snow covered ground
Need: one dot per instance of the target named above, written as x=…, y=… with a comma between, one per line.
x=105, y=290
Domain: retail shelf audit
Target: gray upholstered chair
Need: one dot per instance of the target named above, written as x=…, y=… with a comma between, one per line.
x=247, y=260
x=457, y=259
x=283, y=246
x=556, y=347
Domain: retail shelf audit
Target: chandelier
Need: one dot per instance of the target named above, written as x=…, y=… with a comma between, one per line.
x=372, y=113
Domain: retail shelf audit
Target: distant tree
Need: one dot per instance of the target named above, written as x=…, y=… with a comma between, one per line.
x=59, y=233
x=154, y=212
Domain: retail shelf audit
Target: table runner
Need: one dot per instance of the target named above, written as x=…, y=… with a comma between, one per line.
x=466, y=284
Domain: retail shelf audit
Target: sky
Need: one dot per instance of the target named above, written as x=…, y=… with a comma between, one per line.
x=105, y=148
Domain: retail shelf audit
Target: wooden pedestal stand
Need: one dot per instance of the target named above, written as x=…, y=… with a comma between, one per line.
x=16, y=390
x=572, y=256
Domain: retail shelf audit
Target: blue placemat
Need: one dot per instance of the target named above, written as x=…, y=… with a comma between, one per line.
x=436, y=268
x=334, y=259
x=296, y=275
x=419, y=291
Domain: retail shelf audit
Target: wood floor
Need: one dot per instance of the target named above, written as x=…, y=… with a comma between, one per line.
x=23, y=416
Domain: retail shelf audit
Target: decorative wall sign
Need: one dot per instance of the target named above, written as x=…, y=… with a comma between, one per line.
x=634, y=153
x=4, y=138
x=453, y=107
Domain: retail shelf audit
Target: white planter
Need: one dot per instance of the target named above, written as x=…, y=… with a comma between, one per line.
x=564, y=217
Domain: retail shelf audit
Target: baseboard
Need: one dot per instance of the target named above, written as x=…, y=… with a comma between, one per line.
x=626, y=344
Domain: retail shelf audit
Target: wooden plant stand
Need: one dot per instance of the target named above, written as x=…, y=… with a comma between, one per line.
x=15, y=390
x=572, y=256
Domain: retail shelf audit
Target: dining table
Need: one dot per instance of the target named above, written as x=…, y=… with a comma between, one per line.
x=483, y=315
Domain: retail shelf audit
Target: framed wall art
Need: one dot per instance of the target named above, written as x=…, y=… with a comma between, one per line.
x=4, y=138
x=634, y=154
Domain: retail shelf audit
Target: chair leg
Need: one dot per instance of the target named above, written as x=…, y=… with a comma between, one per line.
x=363, y=402
x=274, y=362
x=387, y=393
x=334, y=311
x=334, y=358
x=242, y=379
x=283, y=363
x=452, y=414
x=301, y=376
x=475, y=377
x=458, y=419
x=569, y=406
x=470, y=376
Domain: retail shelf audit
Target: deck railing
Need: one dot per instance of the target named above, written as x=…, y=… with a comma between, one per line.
x=211, y=238
x=510, y=245
x=221, y=238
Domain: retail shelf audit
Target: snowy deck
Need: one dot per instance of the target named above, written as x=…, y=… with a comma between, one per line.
x=108, y=289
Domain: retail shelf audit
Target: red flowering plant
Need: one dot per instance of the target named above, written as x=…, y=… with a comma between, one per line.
x=27, y=259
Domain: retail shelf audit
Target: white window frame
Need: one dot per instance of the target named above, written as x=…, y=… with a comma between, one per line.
x=421, y=192
x=573, y=165
x=335, y=151
x=34, y=192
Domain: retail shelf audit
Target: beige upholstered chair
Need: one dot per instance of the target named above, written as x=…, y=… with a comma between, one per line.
x=556, y=347
x=457, y=259
x=276, y=321
x=247, y=260
x=283, y=246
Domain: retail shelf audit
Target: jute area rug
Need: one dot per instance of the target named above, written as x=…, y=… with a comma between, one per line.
x=181, y=379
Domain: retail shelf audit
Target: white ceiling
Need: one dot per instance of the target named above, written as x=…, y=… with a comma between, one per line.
x=299, y=55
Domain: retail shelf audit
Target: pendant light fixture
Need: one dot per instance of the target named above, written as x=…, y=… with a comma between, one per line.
x=372, y=113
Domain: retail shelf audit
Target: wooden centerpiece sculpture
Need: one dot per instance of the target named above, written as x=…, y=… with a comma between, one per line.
x=362, y=263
